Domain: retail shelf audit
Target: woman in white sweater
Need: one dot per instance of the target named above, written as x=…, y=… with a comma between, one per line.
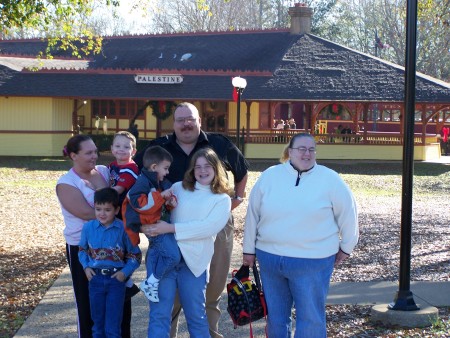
x=301, y=221
x=203, y=209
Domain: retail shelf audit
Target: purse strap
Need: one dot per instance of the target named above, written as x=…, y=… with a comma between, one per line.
x=244, y=270
x=259, y=286
x=256, y=276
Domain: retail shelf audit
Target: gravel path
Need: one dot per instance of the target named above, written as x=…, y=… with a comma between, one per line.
x=32, y=246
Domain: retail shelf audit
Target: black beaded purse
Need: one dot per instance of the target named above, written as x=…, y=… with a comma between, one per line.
x=246, y=302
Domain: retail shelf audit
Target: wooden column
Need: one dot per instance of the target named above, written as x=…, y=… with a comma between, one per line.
x=424, y=123
x=247, y=107
x=311, y=117
x=365, y=112
x=75, y=116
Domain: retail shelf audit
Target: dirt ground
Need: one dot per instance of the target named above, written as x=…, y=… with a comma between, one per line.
x=32, y=248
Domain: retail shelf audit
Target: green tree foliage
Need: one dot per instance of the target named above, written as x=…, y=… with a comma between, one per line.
x=62, y=23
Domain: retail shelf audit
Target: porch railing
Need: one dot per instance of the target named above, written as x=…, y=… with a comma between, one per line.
x=376, y=138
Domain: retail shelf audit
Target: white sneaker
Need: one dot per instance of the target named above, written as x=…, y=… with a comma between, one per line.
x=150, y=291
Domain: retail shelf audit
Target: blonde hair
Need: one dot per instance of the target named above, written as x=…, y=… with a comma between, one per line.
x=285, y=154
x=128, y=135
x=220, y=184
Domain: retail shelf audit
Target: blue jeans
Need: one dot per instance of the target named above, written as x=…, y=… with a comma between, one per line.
x=300, y=281
x=107, y=296
x=165, y=255
x=191, y=291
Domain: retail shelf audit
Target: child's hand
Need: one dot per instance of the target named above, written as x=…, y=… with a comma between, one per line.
x=119, y=275
x=89, y=273
x=158, y=228
x=167, y=194
x=172, y=201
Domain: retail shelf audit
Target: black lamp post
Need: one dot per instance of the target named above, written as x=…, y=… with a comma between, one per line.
x=404, y=299
x=239, y=83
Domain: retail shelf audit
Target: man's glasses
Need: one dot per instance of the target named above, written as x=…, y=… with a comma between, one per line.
x=303, y=150
x=183, y=120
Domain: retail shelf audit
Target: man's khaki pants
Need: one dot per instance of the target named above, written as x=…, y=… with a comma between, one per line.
x=218, y=274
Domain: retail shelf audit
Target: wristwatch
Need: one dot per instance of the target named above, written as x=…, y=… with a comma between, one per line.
x=239, y=198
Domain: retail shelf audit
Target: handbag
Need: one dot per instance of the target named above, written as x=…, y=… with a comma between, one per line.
x=246, y=302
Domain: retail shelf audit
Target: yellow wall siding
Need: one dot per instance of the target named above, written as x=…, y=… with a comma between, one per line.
x=30, y=145
x=26, y=113
x=430, y=152
x=123, y=125
x=263, y=151
x=61, y=121
x=254, y=115
x=347, y=152
x=165, y=124
x=232, y=115
x=373, y=152
x=151, y=123
x=61, y=117
x=112, y=124
x=36, y=120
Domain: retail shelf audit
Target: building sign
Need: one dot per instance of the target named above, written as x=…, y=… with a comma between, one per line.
x=158, y=78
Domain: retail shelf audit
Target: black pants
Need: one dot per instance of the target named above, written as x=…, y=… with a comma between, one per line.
x=81, y=290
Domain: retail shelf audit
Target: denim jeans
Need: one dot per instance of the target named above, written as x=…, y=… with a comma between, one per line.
x=107, y=296
x=300, y=281
x=165, y=254
x=218, y=275
x=191, y=291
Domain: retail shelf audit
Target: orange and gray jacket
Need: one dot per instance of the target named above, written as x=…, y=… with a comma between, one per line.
x=144, y=204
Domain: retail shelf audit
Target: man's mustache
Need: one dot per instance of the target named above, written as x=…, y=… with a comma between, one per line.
x=187, y=128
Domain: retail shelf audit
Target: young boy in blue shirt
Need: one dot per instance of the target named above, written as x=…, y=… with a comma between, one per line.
x=108, y=259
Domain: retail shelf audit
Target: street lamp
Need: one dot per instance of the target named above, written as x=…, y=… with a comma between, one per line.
x=239, y=84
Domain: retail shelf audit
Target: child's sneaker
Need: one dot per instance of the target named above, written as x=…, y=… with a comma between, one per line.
x=150, y=291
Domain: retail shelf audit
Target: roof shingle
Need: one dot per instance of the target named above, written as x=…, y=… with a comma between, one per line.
x=276, y=64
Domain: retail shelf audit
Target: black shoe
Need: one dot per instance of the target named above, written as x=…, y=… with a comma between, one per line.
x=131, y=291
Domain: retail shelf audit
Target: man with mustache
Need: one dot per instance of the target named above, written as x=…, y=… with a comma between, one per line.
x=186, y=139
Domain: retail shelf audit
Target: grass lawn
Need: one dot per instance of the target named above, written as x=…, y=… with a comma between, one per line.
x=32, y=248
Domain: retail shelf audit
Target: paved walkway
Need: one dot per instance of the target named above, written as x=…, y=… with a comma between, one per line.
x=55, y=316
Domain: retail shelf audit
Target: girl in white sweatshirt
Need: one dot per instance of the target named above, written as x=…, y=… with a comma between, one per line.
x=203, y=209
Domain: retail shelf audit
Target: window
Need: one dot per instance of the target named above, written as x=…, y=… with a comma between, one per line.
x=123, y=109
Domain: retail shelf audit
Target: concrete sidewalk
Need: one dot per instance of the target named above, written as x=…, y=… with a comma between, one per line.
x=55, y=316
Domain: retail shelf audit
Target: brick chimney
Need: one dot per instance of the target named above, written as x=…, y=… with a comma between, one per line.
x=301, y=16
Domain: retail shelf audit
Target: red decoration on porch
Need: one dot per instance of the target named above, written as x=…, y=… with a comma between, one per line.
x=445, y=133
x=335, y=108
x=162, y=106
x=235, y=95
x=162, y=109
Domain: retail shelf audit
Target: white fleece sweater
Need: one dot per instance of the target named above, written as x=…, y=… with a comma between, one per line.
x=198, y=217
x=311, y=220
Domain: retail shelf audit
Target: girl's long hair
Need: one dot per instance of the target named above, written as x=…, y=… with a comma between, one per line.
x=220, y=183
